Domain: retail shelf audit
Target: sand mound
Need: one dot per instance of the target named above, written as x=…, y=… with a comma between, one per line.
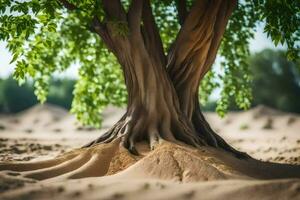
x=180, y=163
x=155, y=175
x=186, y=164
x=52, y=118
x=168, y=161
x=169, y=172
x=45, y=109
x=38, y=117
x=42, y=116
x=263, y=110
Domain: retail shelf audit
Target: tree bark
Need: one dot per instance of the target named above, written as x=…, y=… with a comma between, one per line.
x=199, y=39
x=153, y=111
x=163, y=91
x=195, y=48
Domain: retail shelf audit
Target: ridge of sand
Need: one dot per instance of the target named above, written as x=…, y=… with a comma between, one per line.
x=170, y=171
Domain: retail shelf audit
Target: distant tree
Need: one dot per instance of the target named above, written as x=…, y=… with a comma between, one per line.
x=60, y=92
x=276, y=82
x=164, y=48
x=15, y=98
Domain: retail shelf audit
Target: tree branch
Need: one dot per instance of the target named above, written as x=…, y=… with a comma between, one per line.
x=135, y=16
x=151, y=34
x=194, y=33
x=188, y=56
x=182, y=10
x=114, y=10
x=102, y=31
x=219, y=29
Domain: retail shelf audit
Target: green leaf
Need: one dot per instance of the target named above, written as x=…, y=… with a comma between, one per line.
x=15, y=57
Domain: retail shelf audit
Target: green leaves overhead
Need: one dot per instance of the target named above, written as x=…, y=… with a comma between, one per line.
x=97, y=87
x=282, y=20
x=165, y=14
x=57, y=40
x=234, y=50
x=46, y=38
x=282, y=25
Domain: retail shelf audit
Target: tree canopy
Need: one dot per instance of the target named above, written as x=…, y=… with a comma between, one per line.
x=48, y=36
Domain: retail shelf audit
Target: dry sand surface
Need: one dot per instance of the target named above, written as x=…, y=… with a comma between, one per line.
x=171, y=171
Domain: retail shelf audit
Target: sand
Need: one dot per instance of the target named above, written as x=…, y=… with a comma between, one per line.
x=171, y=171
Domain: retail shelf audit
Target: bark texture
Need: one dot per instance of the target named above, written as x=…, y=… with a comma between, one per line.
x=163, y=90
x=193, y=54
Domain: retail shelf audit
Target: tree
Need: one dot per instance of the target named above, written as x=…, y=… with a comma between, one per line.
x=11, y=94
x=60, y=92
x=15, y=98
x=276, y=81
x=164, y=48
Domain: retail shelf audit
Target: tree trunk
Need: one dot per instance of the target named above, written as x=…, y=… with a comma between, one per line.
x=163, y=91
x=153, y=111
x=199, y=39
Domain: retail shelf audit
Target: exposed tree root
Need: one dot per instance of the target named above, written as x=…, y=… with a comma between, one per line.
x=212, y=138
x=130, y=130
x=133, y=128
x=95, y=161
x=168, y=161
x=108, y=154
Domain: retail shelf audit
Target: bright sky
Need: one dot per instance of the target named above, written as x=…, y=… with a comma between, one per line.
x=257, y=44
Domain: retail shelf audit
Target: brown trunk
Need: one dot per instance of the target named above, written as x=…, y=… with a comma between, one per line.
x=153, y=111
x=191, y=57
x=163, y=92
x=195, y=48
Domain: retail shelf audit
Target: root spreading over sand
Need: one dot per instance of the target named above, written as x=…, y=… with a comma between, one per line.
x=170, y=171
x=168, y=162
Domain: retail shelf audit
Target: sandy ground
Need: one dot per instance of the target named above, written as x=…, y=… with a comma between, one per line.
x=44, y=132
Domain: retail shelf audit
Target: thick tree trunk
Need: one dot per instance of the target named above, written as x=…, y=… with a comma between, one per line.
x=195, y=48
x=193, y=54
x=163, y=92
x=153, y=110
